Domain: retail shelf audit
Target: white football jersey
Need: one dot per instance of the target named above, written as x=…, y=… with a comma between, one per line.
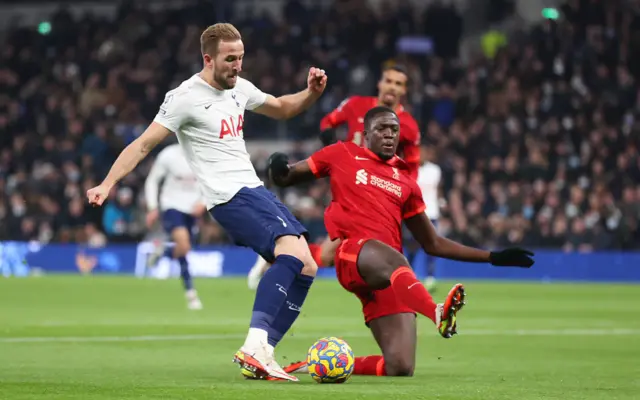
x=180, y=190
x=429, y=175
x=208, y=123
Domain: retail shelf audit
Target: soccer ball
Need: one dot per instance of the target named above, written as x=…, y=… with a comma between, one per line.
x=330, y=360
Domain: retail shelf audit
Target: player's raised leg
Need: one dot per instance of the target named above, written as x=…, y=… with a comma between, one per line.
x=255, y=218
x=299, y=289
x=290, y=252
x=381, y=266
x=288, y=314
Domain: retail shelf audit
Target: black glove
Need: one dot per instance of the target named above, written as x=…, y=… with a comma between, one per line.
x=278, y=167
x=512, y=257
x=328, y=137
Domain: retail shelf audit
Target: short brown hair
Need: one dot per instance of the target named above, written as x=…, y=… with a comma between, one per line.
x=211, y=37
x=395, y=67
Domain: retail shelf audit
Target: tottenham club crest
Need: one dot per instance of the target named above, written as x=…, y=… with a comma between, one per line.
x=233, y=96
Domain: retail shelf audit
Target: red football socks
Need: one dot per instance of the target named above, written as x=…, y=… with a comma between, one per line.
x=412, y=293
x=316, y=253
x=369, y=365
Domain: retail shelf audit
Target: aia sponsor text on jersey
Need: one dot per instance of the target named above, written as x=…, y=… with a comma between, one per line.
x=231, y=126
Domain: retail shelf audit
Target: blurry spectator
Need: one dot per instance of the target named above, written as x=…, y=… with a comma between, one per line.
x=118, y=216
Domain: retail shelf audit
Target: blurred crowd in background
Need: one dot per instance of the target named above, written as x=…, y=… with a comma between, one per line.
x=537, y=134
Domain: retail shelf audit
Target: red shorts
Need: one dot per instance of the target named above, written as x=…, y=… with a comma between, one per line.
x=375, y=303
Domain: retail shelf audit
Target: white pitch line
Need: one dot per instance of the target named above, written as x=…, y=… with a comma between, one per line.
x=307, y=335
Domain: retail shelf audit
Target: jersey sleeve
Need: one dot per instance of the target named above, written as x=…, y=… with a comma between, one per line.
x=338, y=116
x=321, y=161
x=255, y=96
x=414, y=204
x=174, y=111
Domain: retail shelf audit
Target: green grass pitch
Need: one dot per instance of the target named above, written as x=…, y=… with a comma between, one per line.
x=72, y=337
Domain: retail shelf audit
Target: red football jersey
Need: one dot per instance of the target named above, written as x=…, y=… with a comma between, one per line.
x=352, y=111
x=371, y=197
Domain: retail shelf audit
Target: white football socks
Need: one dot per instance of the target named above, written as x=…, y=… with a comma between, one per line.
x=255, y=339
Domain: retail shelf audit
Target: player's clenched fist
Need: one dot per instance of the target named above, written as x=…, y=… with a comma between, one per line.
x=317, y=80
x=97, y=195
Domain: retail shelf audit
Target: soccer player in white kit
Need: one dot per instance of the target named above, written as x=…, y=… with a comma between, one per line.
x=206, y=113
x=178, y=204
x=429, y=175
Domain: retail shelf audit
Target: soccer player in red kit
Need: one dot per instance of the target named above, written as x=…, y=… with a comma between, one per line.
x=372, y=196
x=392, y=87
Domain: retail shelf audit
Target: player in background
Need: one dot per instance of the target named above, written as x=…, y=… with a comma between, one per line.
x=392, y=87
x=178, y=204
x=371, y=197
x=429, y=176
x=206, y=112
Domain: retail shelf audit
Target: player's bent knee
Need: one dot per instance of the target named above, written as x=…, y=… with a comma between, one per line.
x=298, y=248
x=310, y=267
x=395, y=261
x=398, y=366
x=291, y=246
x=398, y=260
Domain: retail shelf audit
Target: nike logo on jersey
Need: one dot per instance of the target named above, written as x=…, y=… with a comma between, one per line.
x=207, y=107
x=233, y=96
x=361, y=158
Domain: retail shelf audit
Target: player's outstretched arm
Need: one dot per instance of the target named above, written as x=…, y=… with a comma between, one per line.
x=135, y=152
x=283, y=174
x=290, y=105
x=425, y=233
